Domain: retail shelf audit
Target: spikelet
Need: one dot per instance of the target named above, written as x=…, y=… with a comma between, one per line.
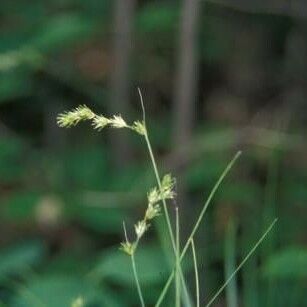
x=99, y=122
x=72, y=118
x=118, y=122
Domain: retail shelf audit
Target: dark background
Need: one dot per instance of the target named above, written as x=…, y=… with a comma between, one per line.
x=217, y=77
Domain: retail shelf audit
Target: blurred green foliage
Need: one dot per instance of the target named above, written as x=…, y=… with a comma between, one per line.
x=63, y=199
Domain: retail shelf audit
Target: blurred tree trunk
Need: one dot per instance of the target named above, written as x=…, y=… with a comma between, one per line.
x=119, y=100
x=185, y=86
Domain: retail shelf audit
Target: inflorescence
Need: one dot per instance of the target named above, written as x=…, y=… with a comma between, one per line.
x=154, y=197
x=83, y=113
x=153, y=210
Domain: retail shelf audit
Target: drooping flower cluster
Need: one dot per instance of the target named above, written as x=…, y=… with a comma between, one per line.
x=72, y=118
x=83, y=113
x=153, y=210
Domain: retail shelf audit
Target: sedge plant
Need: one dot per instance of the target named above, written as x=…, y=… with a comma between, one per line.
x=156, y=197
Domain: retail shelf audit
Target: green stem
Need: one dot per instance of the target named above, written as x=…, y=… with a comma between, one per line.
x=241, y=264
x=177, y=261
x=196, y=273
x=166, y=214
x=154, y=165
x=195, y=228
x=155, y=168
x=137, y=281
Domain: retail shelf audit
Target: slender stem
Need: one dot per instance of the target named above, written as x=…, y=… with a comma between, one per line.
x=155, y=168
x=241, y=264
x=153, y=161
x=166, y=214
x=137, y=281
x=216, y=186
x=195, y=228
x=196, y=273
x=177, y=261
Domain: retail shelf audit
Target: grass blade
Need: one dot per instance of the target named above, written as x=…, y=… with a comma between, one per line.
x=241, y=264
x=195, y=228
x=196, y=273
x=177, y=272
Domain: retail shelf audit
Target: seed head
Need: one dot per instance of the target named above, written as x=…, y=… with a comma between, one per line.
x=167, y=186
x=127, y=248
x=152, y=211
x=166, y=192
x=99, y=122
x=153, y=196
x=140, y=228
x=118, y=122
x=139, y=127
x=72, y=118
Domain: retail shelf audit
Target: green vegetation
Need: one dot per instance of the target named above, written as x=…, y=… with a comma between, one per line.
x=155, y=196
x=217, y=77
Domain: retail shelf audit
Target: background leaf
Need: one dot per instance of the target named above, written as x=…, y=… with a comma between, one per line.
x=287, y=263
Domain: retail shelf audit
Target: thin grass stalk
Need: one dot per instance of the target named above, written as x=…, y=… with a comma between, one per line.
x=136, y=278
x=195, y=228
x=137, y=281
x=196, y=273
x=167, y=217
x=250, y=253
x=166, y=213
x=156, y=172
x=177, y=274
